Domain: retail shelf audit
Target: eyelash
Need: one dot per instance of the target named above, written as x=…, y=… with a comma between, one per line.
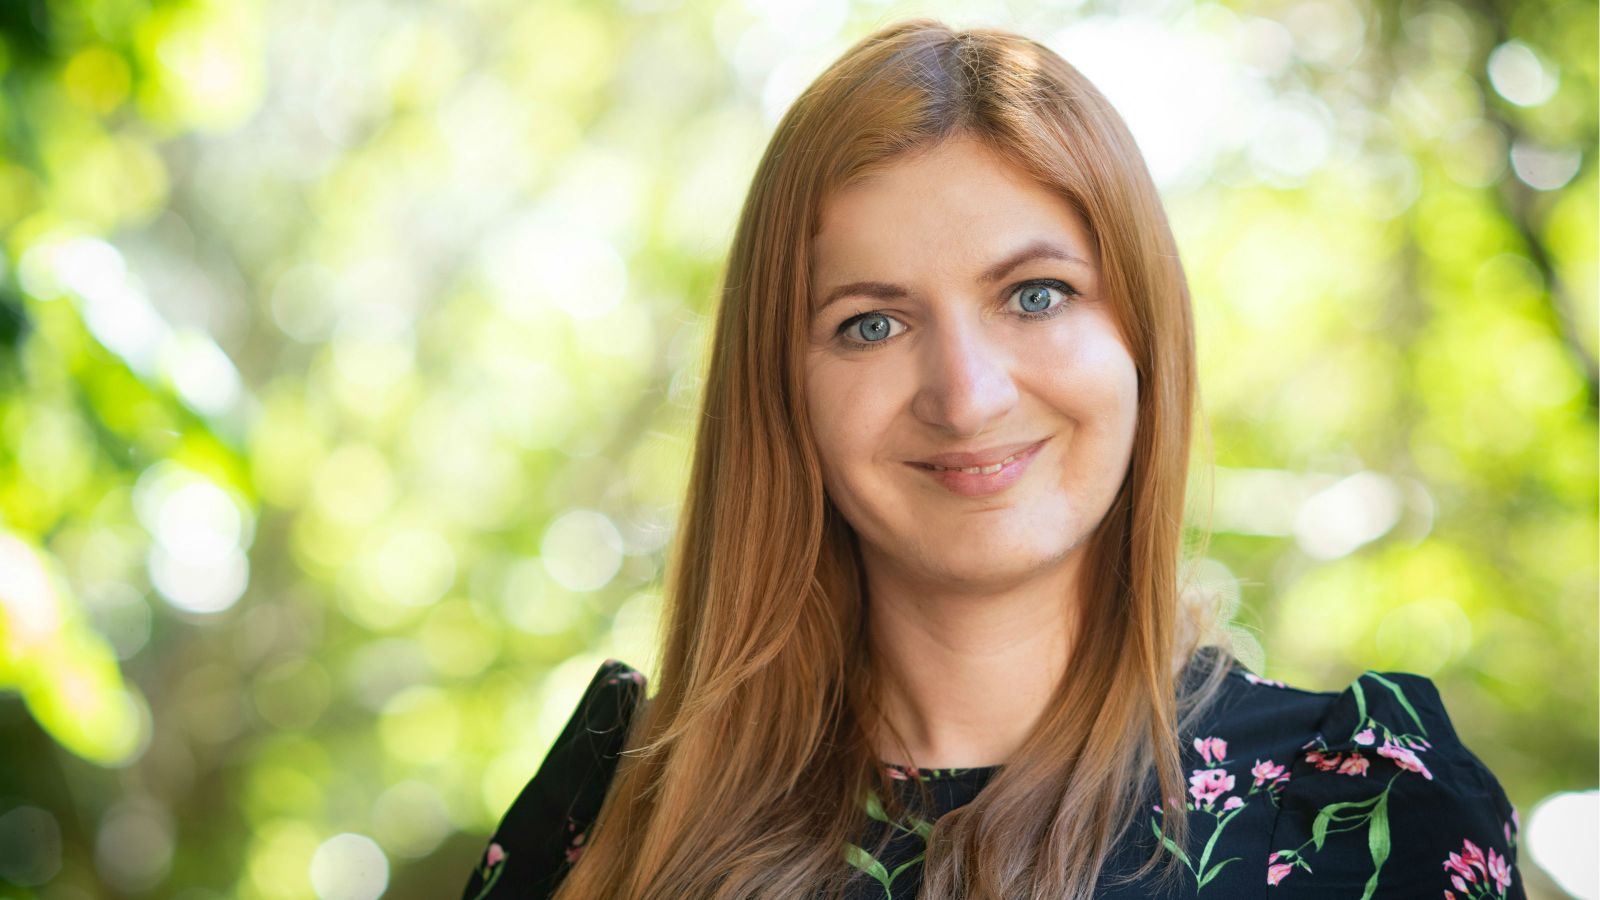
x=1068, y=292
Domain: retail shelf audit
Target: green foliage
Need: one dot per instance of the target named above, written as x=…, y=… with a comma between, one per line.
x=349, y=355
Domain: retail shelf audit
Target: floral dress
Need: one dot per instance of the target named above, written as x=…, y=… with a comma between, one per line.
x=1350, y=795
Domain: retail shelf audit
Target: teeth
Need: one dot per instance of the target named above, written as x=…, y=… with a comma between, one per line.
x=976, y=470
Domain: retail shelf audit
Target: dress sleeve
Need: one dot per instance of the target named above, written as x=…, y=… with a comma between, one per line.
x=1386, y=802
x=543, y=831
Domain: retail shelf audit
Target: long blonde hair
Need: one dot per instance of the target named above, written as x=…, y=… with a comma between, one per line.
x=747, y=767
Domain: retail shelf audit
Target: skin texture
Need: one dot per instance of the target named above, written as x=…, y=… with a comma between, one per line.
x=971, y=599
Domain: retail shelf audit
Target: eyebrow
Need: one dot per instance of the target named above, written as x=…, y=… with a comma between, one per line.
x=884, y=290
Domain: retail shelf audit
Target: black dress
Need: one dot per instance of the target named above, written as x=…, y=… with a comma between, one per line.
x=1362, y=793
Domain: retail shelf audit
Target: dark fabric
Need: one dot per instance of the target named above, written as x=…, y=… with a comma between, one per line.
x=1364, y=792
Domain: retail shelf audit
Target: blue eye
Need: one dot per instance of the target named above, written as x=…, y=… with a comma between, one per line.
x=869, y=329
x=873, y=327
x=1035, y=297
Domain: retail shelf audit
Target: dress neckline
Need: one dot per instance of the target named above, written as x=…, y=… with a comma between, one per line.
x=898, y=772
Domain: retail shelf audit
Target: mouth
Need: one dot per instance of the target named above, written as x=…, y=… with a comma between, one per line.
x=973, y=470
x=982, y=480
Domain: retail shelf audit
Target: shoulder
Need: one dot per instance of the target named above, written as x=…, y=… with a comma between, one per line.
x=1383, y=797
x=1362, y=792
x=543, y=830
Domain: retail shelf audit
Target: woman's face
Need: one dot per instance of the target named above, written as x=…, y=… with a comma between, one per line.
x=957, y=317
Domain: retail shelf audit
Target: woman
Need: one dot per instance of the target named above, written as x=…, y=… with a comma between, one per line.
x=925, y=634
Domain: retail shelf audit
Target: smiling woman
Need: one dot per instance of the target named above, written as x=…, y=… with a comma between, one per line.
x=925, y=632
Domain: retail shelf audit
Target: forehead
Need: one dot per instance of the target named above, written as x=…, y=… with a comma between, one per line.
x=959, y=204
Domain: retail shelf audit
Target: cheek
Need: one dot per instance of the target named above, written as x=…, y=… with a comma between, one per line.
x=846, y=416
x=1089, y=379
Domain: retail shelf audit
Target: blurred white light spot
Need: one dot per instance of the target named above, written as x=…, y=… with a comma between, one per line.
x=202, y=374
x=535, y=264
x=410, y=818
x=414, y=566
x=349, y=867
x=197, y=523
x=1294, y=138
x=1258, y=501
x=302, y=303
x=32, y=610
x=1543, y=168
x=1563, y=831
x=1353, y=511
x=582, y=550
x=88, y=267
x=206, y=587
x=788, y=78
x=126, y=323
x=532, y=601
x=1189, y=99
x=1327, y=32
x=1520, y=76
x=133, y=849
x=197, y=561
x=115, y=309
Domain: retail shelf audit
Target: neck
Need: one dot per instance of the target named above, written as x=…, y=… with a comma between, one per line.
x=965, y=674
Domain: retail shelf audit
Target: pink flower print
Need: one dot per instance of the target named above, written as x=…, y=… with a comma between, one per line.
x=1274, y=857
x=1209, y=784
x=896, y=773
x=1499, y=870
x=1365, y=737
x=1404, y=758
x=1454, y=864
x=1232, y=803
x=1323, y=761
x=1213, y=749
x=1472, y=856
x=1276, y=872
x=1268, y=771
x=1354, y=764
x=1253, y=678
x=575, y=849
x=495, y=855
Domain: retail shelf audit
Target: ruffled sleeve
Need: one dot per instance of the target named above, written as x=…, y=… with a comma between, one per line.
x=543, y=831
x=1386, y=802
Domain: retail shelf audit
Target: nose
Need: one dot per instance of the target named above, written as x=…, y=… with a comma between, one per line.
x=966, y=380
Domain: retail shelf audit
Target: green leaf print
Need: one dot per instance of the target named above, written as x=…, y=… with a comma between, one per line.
x=1213, y=872
x=867, y=863
x=874, y=807
x=1170, y=844
x=1401, y=696
x=1377, y=841
x=1319, y=828
x=1204, y=874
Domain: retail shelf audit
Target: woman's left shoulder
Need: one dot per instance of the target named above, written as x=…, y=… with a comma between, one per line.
x=1383, y=799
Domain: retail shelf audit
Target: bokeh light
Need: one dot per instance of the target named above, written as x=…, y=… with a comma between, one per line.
x=351, y=359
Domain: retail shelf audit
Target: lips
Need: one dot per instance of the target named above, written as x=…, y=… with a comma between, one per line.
x=978, y=461
x=973, y=470
x=989, y=472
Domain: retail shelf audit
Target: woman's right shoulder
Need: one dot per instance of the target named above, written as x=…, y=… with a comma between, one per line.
x=543, y=831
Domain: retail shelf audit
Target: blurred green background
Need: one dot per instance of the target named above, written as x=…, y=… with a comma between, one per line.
x=349, y=352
